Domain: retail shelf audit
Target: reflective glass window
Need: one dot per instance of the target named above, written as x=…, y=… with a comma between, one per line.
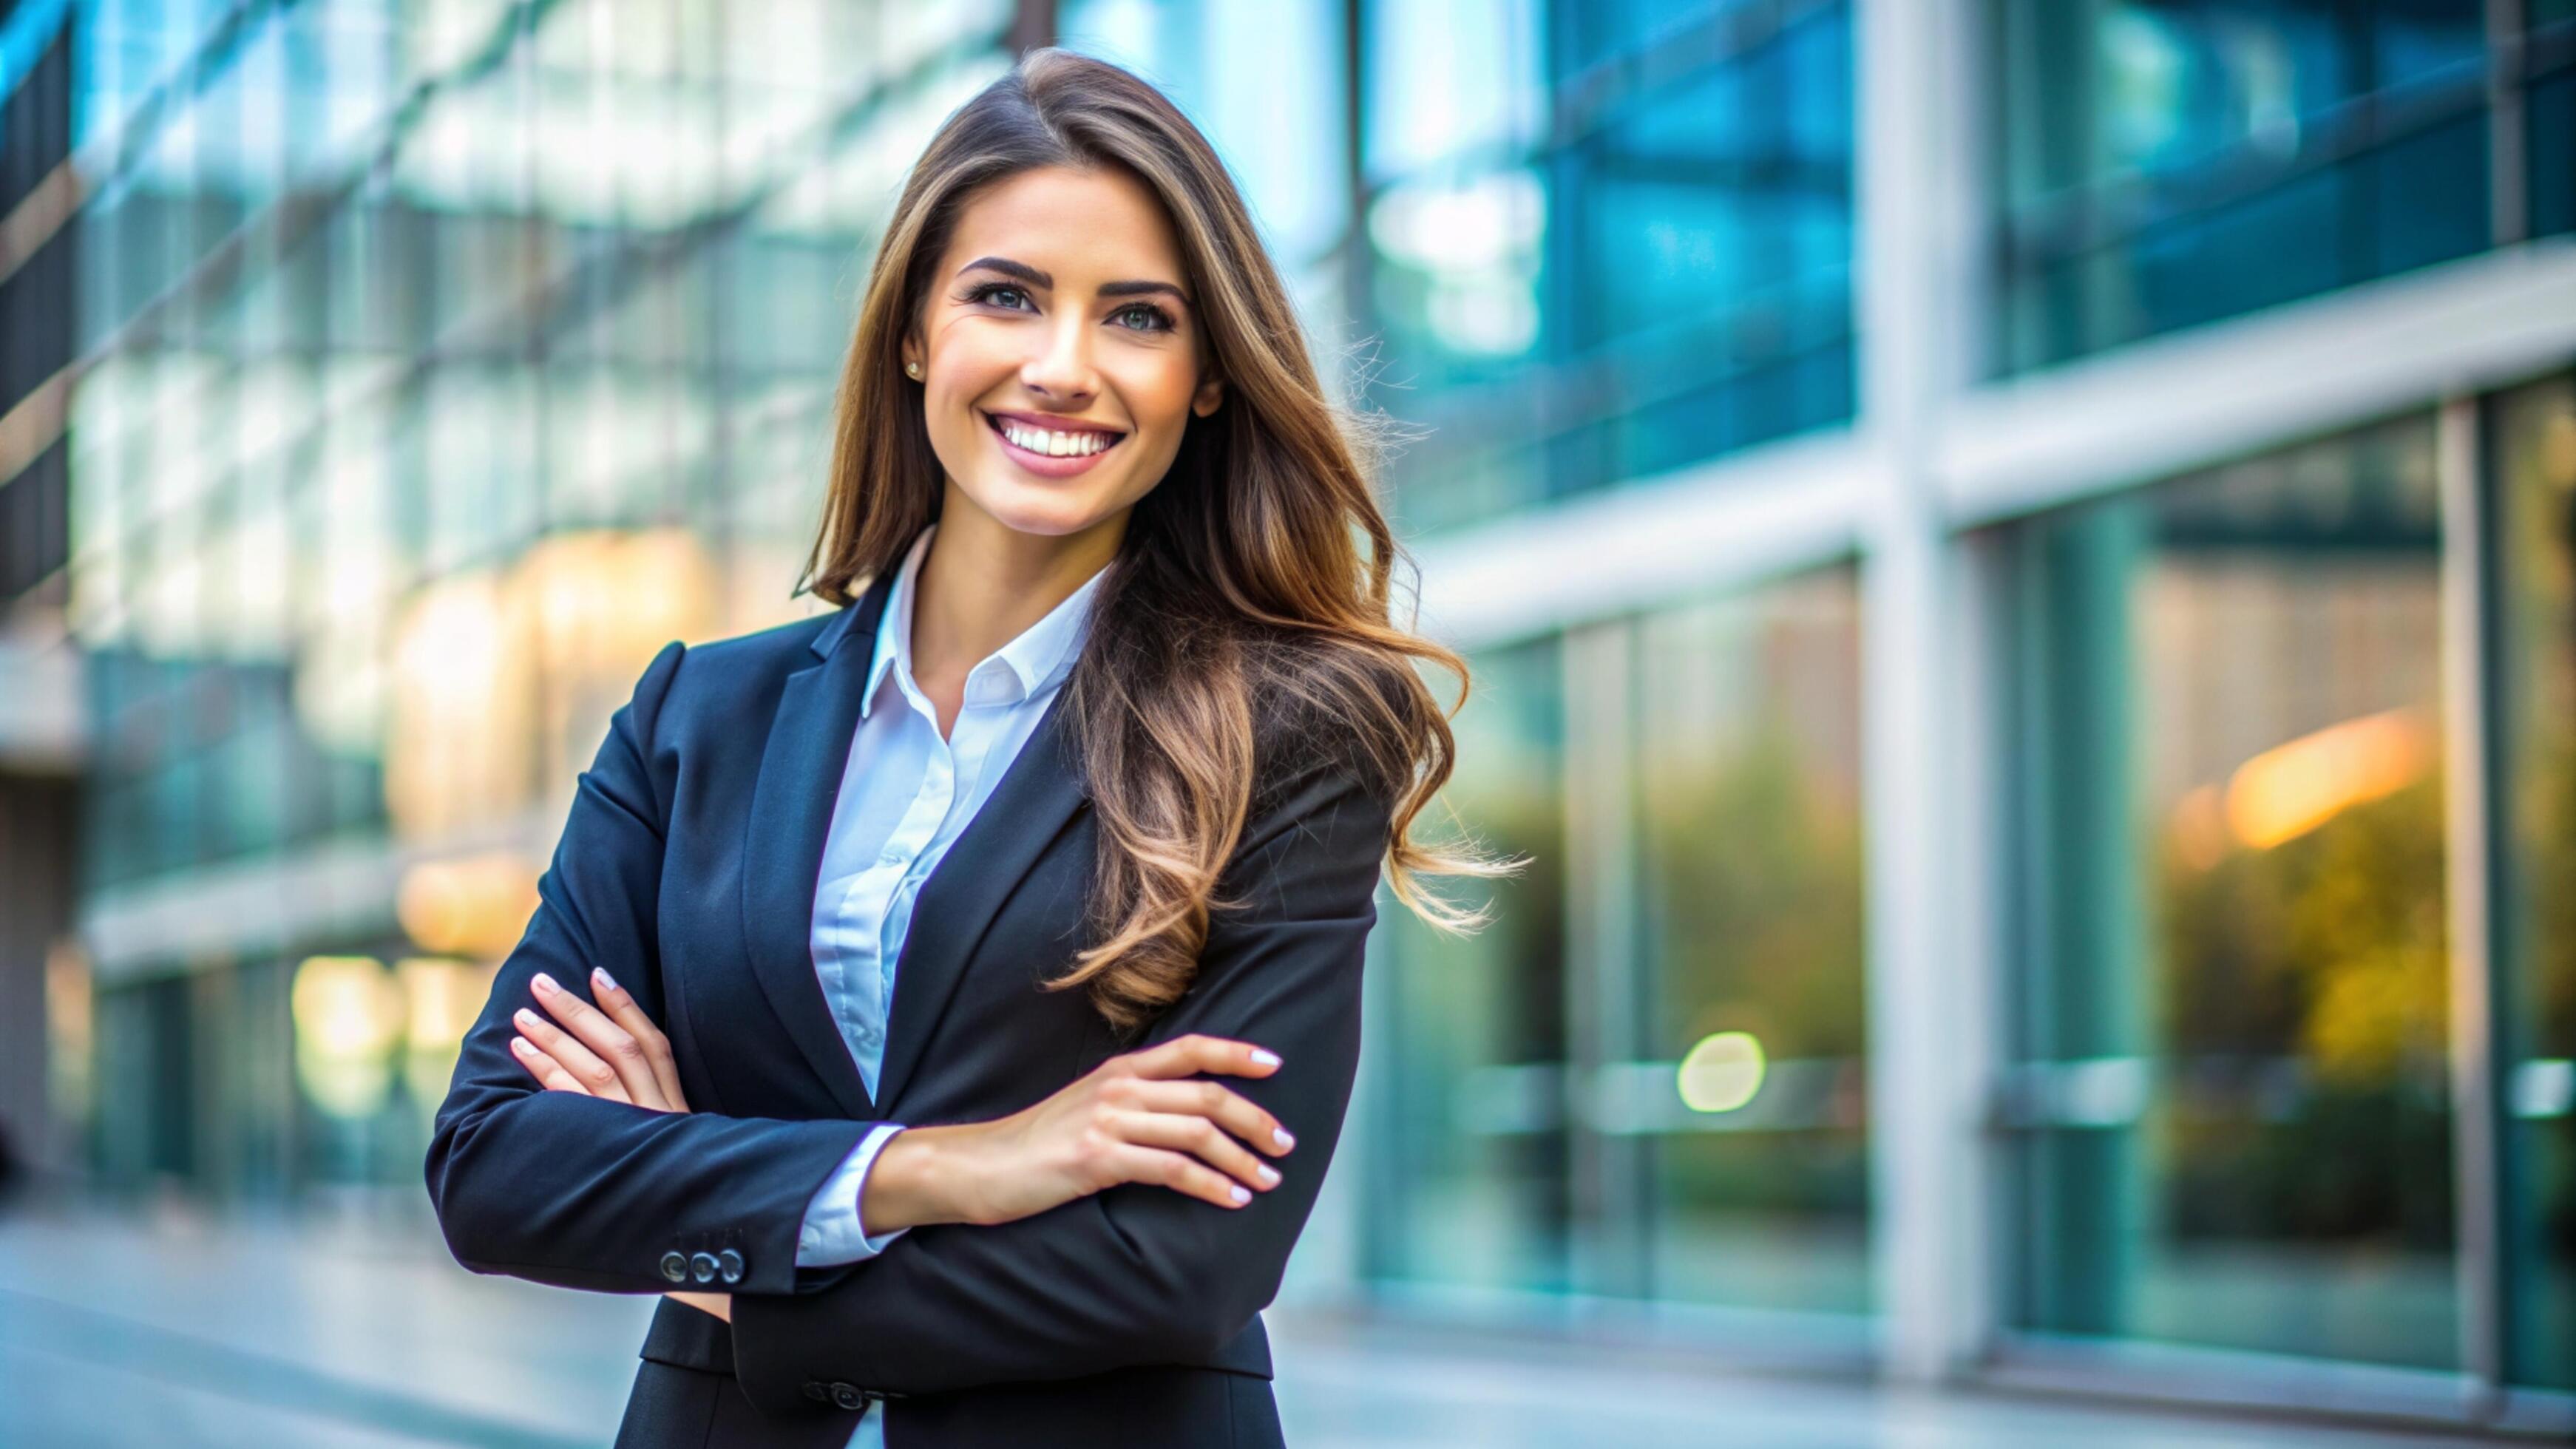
x=2535, y=929
x=2161, y=165
x=2231, y=1100
x=1749, y=854
x=1471, y=1034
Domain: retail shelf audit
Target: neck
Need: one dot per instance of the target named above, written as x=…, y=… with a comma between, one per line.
x=983, y=583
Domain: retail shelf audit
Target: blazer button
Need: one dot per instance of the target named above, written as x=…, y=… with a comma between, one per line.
x=729, y=1264
x=817, y=1392
x=848, y=1396
x=675, y=1266
x=702, y=1266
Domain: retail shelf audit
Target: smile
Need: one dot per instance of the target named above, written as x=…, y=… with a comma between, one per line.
x=1051, y=452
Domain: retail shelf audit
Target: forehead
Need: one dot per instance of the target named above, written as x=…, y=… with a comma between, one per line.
x=1081, y=225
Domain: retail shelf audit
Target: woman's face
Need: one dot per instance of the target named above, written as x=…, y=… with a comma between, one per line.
x=1059, y=350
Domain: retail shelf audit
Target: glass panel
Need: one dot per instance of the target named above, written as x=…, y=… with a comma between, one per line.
x=2536, y=925
x=2553, y=150
x=1666, y=279
x=2234, y=1090
x=1473, y=1054
x=1748, y=770
x=1450, y=77
x=2164, y=165
x=520, y=375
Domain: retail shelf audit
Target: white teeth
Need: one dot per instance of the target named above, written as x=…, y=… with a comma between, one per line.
x=1054, y=444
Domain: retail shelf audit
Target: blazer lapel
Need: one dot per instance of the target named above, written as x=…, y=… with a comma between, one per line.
x=791, y=813
x=1035, y=797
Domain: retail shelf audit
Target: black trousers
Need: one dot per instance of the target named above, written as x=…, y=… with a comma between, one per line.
x=1135, y=1408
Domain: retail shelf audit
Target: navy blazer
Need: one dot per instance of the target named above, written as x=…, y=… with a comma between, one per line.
x=688, y=867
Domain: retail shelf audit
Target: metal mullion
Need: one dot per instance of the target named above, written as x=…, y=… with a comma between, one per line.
x=2467, y=689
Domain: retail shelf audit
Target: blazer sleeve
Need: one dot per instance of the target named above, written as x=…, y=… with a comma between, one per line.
x=589, y=1193
x=1138, y=1273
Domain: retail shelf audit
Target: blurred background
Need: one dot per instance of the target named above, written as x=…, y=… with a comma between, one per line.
x=2019, y=557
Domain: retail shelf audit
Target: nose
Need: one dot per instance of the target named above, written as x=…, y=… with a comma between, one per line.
x=1062, y=371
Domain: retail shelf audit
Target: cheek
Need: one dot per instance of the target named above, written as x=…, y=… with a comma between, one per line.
x=1158, y=395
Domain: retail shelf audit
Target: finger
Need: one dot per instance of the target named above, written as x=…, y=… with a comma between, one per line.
x=1199, y=1137
x=1217, y=1103
x=548, y=1072
x=1183, y=1055
x=622, y=1008
x=606, y=1040
x=1180, y=1172
x=596, y=1077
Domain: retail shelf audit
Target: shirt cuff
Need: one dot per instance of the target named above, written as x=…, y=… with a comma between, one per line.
x=832, y=1233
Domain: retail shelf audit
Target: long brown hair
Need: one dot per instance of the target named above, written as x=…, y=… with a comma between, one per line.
x=1241, y=620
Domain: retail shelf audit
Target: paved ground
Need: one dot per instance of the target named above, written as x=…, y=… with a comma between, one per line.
x=120, y=1331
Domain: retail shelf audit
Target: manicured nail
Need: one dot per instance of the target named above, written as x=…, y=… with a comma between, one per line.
x=1269, y=1175
x=1241, y=1193
x=1280, y=1136
x=520, y=1045
x=547, y=984
x=524, y=1017
x=1265, y=1058
x=600, y=976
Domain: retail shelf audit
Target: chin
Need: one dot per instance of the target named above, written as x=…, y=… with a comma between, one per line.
x=1031, y=507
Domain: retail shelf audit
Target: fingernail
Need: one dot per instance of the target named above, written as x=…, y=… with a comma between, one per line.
x=547, y=984
x=520, y=1045
x=1280, y=1136
x=600, y=975
x=1269, y=1175
x=1241, y=1193
x=1266, y=1058
x=524, y=1017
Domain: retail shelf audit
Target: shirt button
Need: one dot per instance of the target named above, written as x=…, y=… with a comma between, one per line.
x=891, y=857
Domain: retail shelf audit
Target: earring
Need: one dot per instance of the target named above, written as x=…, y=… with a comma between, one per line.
x=912, y=369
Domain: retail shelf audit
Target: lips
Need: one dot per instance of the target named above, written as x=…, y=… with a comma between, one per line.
x=1049, y=465
x=1044, y=423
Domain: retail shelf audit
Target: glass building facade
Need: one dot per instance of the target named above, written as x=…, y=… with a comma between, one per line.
x=436, y=363
x=2019, y=560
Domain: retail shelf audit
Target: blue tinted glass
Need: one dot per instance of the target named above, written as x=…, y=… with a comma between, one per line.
x=2553, y=156
x=1726, y=188
x=2166, y=165
x=1475, y=1136
x=1446, y=78
x=1670, y=283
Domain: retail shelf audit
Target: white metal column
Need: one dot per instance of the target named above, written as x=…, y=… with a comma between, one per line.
x=1932, y=1000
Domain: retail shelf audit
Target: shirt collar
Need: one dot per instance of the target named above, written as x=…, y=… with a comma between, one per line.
x=1038, y=660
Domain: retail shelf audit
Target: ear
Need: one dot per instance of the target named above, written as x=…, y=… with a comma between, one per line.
x=1210, y=394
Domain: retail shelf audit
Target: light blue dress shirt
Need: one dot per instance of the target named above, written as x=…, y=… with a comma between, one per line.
x=906, y=795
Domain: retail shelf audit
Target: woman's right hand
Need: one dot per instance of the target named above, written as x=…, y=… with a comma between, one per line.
x=1134, y=1118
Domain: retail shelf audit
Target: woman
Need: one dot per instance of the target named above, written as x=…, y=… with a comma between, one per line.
x=957, y=995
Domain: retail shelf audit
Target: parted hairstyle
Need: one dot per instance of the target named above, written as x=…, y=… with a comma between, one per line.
x=1241, y=622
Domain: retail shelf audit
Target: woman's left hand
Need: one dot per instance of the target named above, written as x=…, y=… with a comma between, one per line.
x=612, y=1050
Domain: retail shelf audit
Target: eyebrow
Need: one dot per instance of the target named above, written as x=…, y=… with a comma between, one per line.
x=1023, y=272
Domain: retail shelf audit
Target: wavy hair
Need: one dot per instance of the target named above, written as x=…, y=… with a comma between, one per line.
x=1241, y=622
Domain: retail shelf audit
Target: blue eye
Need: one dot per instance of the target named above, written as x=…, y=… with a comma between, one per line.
x=1156, y=319
x=986, y=291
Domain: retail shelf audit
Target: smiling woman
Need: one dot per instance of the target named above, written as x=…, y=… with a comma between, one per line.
x=946, y=1145
x=1080, y=359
